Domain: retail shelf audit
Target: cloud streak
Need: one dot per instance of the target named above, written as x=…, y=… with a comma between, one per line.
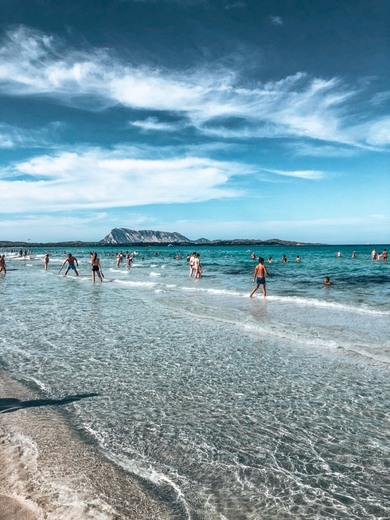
x=217, y=103
x=93, y=178
x=313, y=175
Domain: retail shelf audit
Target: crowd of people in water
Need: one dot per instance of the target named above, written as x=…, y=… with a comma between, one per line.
x=193, y=261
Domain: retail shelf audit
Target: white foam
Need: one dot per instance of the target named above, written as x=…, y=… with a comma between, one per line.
x=153, y=273
x=224, y=292
x=152, y=475
x=135, y=284
x=64, y=499
x=327, y=305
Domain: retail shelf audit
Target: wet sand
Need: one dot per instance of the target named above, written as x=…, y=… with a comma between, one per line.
x=47, y=471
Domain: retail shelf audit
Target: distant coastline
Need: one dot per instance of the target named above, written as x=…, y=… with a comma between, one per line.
x=124, y=237
x=235, y=242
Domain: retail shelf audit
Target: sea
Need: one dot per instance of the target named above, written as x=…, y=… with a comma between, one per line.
x=226, y=407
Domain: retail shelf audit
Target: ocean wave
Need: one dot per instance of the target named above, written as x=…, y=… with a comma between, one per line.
x=132, y=283
x=298, y=300
x=224, y=292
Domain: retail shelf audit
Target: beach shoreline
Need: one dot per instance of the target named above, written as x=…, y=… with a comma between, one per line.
x=48, y=471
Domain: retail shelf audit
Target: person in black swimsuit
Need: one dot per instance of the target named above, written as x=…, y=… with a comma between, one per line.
x=95, y=266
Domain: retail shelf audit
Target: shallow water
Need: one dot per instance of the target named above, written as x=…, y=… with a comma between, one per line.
x=232, y=407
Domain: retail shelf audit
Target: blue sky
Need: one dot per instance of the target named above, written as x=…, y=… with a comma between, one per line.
x=217, y=119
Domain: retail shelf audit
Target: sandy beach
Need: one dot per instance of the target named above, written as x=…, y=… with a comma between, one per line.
x=48, y=471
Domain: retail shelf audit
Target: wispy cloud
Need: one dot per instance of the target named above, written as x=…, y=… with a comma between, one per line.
x=94, y=178
x=235, y=5
x=14, y=137
x=276, y=20
x=378, y=132
x=216, y=102
x=321, y=150
x=153, y=124
x=312, y=175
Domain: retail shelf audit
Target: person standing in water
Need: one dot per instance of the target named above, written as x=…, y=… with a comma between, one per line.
x=191, y=262
x=72, y=263
x=259, y=277
x=95, y=263
x=46, y=260
x=3, y=267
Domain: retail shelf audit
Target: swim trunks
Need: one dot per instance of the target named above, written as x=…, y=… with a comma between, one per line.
x=72, y=266
x=95, y=268
x=260, y=280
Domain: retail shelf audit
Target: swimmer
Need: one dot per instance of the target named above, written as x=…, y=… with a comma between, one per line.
x=327, y=281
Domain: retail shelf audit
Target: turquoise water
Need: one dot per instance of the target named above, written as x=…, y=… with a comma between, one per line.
x=233, y=408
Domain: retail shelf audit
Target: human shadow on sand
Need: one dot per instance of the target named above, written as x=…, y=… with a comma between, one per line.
x=8, y=405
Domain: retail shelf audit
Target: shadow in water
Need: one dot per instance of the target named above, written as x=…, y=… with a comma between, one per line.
x=8, y=405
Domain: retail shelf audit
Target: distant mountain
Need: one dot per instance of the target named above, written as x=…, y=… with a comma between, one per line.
x=146, y=236
x=201, y=241
x=123, y=236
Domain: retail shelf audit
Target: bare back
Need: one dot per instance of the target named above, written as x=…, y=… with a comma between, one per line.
x=260, y=270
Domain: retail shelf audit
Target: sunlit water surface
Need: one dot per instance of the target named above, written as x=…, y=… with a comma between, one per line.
x=234, y=408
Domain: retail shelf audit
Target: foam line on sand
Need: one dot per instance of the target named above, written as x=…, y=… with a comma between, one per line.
x=48, y=471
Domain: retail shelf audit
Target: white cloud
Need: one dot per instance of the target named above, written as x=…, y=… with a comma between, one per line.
x=321, y=150
x=153, y=124
x=380, y=98
x=6, y=141
x=297, y=106
x=276, y=20
x=14, y=137
x=99, y=179
x=378, y=132
x=312, y=175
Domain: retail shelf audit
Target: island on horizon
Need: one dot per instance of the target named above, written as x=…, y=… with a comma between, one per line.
x=126, y=237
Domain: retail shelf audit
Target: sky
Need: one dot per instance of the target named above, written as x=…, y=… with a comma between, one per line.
x=217, y=119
